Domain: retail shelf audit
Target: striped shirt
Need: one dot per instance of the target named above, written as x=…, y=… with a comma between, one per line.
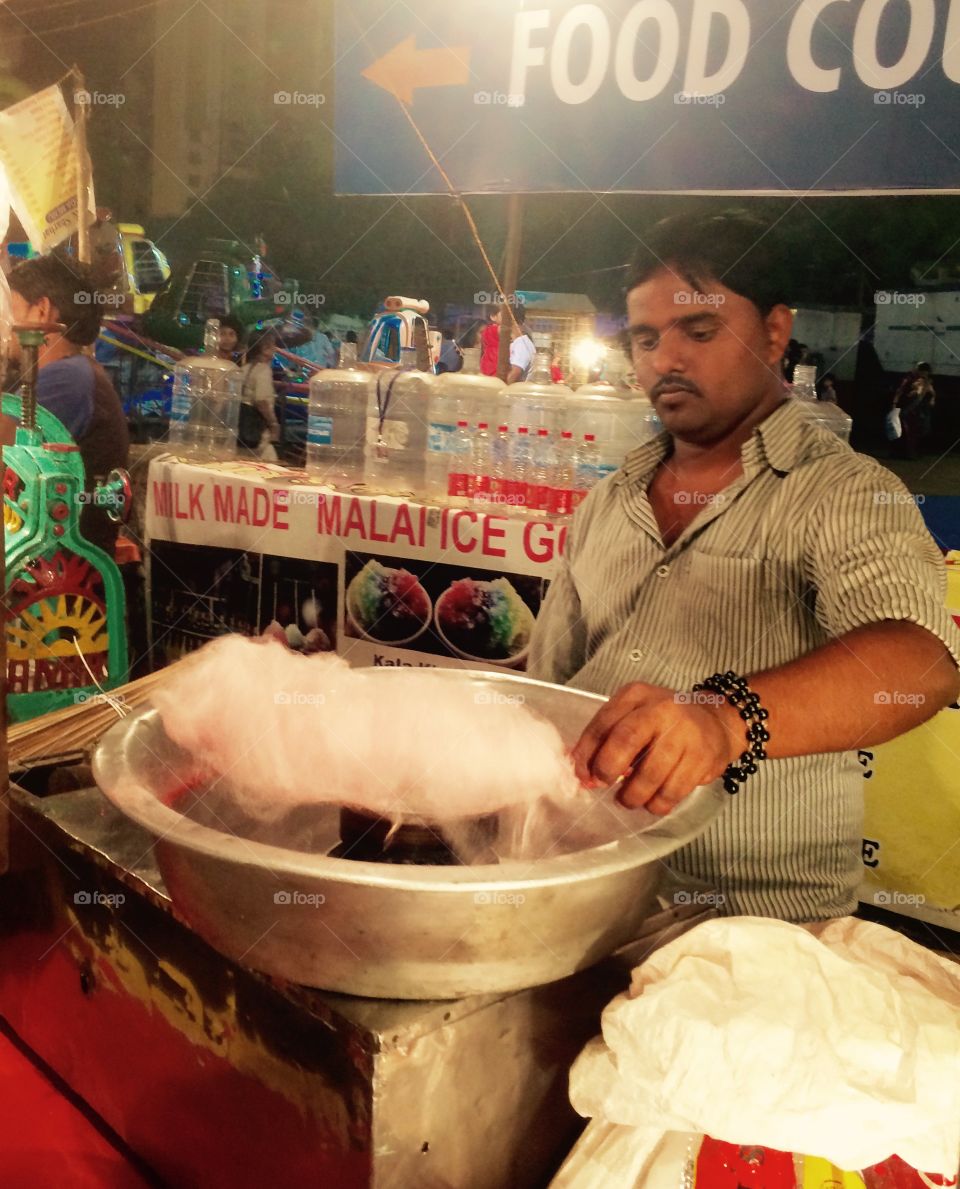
x=811, y=542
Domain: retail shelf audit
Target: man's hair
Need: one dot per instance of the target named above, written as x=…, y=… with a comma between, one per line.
x=71, y=289
x=740, y=251
x=230, y=322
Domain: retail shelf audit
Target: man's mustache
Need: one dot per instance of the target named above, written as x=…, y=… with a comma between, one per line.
x=673, y=382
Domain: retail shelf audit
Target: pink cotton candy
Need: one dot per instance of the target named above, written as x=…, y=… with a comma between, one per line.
x=286, y=730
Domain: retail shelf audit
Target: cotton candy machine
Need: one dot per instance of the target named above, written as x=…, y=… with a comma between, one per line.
x=316, y=897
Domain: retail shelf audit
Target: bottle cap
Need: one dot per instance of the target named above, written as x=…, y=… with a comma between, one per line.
x=589, y=437
x=462, y=424
x=566, y=434
x=482, y=425
x=523, y=429
x=542, y=433
x=503, y=429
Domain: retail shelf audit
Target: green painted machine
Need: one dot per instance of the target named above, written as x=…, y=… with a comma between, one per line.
x=64, y=614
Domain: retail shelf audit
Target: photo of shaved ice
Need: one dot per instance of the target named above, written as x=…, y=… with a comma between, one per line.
x=388, y=605
x=484, y=621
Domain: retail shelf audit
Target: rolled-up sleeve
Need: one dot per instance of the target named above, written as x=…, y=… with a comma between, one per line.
x=558, y=646
x=872, y=559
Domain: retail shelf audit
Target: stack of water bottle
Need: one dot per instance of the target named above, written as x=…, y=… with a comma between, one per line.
x=468, y=440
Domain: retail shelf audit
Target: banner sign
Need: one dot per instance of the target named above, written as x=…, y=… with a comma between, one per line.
x=38, y=150
x=655, y=96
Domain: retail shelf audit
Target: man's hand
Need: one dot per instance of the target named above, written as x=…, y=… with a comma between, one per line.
x=662, y=743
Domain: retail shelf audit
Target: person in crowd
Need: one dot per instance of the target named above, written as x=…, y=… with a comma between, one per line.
x=827, y=388
x=319, y=347
x=451, y=357
x=523, y=350
x=259, y=427
x=490, y=344
x=915, y=398
x=350, y=337
x=556, y=367
x=57, y=289
x=745, y=589
x=232, y=335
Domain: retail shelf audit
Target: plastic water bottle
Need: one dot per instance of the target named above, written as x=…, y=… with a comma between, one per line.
x=541, y=482
x=464, y=395
x=588, y=468
x=337, y=422
x=521, y=476
x=619, y=418
x=825, y=413
x=205, y=413
x=500, y=469
x=397, y=419
x=536, y=402
x=564, y=476
x=461, y=459
x=478, y=486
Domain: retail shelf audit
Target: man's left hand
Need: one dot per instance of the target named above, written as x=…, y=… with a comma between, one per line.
x=662, y=744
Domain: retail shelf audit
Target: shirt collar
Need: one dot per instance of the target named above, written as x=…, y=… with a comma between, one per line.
x=781, y=441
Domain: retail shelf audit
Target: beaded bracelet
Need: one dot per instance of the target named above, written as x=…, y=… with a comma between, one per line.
x=747, y=703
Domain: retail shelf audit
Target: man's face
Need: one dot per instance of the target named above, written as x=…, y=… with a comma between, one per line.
x=228, y=339
x=707, y=359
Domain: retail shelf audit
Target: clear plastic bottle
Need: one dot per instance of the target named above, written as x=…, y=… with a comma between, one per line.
x=337, y=424
x=537, y=402
x=564, y=476
x=825, y=413
x=544, y=465
x=460, y=456
x=588, y=468
x=464, y=395
x=397, y=420
x=205, y=412
x=619, y=417
x=500, y=469
x=521, y=470
x=479, y=484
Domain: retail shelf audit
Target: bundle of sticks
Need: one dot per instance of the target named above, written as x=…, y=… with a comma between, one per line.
x=73, y=731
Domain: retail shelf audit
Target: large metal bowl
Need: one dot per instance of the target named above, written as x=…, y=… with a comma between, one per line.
x=401, y=932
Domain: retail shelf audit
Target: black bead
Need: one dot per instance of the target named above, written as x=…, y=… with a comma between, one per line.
x=746, y=757
x=750, y=768
x=730, y=785
x=730, y=675
x=734, y=698
x=759, y=753
x=745, y=714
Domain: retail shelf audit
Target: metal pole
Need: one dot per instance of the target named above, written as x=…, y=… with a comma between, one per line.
x=511, y=271
x=81, y=113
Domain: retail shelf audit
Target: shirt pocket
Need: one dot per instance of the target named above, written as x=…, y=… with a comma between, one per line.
x=752, y=613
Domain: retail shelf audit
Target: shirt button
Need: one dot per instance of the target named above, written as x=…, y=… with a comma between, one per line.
x=637, y=654
x=663, y=571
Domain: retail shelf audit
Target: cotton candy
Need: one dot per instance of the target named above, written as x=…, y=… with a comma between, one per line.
x=286, y=730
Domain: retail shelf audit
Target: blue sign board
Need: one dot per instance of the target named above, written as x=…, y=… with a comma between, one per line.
x=648, y=96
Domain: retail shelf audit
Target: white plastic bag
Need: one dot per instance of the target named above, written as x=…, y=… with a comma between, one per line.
x=840, y=1040
x=892, y=426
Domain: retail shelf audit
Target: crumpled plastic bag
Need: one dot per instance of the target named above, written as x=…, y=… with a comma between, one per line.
x=840, y=1040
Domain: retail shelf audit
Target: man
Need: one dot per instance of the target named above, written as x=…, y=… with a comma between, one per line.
x=744, y=539
x=71, y=385
x=232, y=334
x=451, y=357
x=523, y=350
x=490, y=344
